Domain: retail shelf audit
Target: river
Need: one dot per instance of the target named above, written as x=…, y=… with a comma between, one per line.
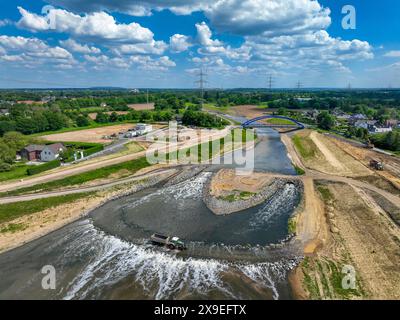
x=107, y=255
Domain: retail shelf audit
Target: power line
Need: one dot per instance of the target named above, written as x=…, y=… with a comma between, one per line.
x=202, y=83
x=299, y=85
x=270, y=82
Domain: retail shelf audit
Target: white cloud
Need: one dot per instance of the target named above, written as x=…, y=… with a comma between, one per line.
x=272, y=17
x=179, y=43
x=33, y=47
x=74, y=46
x=5, y=22
x=98, y=26
x=133, y=7
x=392, y=54
x=153, y=47
x=204, y=35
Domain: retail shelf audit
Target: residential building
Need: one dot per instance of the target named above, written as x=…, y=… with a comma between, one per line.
x=391, y=123
x=365, y=123
x=356, y=117
x=373, y=129
x=31, y=152
x=35, y=152
x=52, y=152
x=4, y=112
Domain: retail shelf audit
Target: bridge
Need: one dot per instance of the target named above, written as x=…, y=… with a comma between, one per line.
x=254, y=123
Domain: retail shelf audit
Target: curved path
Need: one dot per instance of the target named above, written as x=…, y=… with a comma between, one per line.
x=99, y=187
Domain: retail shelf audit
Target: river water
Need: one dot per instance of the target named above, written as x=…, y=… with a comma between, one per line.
x=107, y=255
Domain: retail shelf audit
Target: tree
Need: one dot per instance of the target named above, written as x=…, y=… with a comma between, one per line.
x=325, y=121
x=101, y=117
x=113, y=117
x=6, y=126
x=82, y=121
x=15, y=140
x=7, y=155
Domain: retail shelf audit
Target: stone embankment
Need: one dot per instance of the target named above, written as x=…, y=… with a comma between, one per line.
x=220, y=206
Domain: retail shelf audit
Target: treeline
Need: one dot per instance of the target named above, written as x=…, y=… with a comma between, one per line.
x=133, y=115
x=29, y=119
x=388, y=141
x=201, y=119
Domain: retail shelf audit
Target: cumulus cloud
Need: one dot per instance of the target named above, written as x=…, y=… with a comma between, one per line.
x=32, y=51
x=179, y=43
x=33, y=47
x=153, y=47
x=392, y=54
x=74, y=46
x=134, y=7
x=98, y=26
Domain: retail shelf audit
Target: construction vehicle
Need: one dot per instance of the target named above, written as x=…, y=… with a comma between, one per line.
x=375, y=164
x=172, y=243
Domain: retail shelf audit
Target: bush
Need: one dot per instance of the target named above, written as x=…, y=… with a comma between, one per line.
x=44, y=167
x=94, y=149
x=5, y=167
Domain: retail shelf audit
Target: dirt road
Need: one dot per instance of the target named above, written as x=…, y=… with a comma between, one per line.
x=35, y=196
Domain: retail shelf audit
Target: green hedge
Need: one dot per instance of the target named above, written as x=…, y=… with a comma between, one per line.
x=44, y=167
x=93, y=150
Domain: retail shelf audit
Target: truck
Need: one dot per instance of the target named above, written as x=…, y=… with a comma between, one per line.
x=172, y=243
x=375, y=164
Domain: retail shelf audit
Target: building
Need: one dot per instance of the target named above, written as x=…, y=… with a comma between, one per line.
x=52, y=152
x=357, y=117
x=37, y=152
x=4, y=112
x=391, y=123
x=31, y=152
x=143, y=128
x=364, y=123
x=373, y=129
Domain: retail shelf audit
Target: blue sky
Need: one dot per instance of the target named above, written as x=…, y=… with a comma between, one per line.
x=163, y=43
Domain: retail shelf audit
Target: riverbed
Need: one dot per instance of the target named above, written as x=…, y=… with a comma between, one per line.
x=107, y=255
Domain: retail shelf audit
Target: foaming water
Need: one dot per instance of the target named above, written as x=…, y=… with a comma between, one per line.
x=162, y=275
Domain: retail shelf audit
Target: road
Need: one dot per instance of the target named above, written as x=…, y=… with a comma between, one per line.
x=99, y=187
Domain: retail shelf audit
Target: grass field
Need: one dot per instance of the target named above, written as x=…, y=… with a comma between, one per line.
x=279, y=121
x=128, y=168
x=12, y=211
x=17, y=172
x=304, y=146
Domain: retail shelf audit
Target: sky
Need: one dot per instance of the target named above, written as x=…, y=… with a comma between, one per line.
x=164, y=43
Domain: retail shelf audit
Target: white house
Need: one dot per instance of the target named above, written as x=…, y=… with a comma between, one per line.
x=375, y=129
x=52, y=152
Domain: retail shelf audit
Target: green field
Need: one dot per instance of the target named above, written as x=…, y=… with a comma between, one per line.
x=305, y=146
x=12, y=211
x=17, y=172
x=280, y=121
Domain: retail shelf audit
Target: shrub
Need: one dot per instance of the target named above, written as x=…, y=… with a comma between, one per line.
x=5, y=167
x=44, y=167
